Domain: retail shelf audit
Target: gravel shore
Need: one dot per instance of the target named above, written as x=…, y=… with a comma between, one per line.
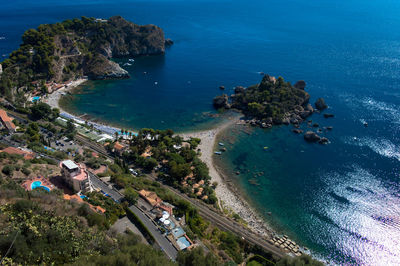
x=227, y=194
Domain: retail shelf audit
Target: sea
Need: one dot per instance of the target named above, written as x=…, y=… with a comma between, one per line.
x=341, y=200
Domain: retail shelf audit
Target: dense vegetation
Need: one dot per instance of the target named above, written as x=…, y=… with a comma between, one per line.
x=269, y=100
x=41, y=228
x=70, y=49
x=174, y=159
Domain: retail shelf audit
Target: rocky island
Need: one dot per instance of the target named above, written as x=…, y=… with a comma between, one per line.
x=76, y=48
x=274, y=102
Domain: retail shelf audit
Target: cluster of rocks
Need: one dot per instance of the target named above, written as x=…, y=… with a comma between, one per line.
x=311, y=136
x=294, y=114
x=286, y=244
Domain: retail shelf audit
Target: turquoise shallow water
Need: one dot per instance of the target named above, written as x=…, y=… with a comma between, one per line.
x=341, y=200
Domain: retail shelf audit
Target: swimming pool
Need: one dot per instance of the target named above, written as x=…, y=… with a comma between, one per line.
x=38, y=184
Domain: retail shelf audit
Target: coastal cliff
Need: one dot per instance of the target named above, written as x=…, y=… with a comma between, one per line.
x=74, y=48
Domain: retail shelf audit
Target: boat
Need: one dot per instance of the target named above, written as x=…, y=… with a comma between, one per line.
x=221, y=144
x=131, y=60
x=265, y=148
x=365, y=124
x=218, y=152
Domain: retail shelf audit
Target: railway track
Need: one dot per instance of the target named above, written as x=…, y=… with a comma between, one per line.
x=205, y=211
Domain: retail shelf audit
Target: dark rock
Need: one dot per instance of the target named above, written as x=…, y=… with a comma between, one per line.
x=221, y=102
x=315, y=125
x=297, y=131
x=286, y=121
x=309, y=108
x=329, y=115
x=311, y=136
x=320, y=104
x=305, y=114
x=239, y=89
x=301, y=84
x=323, y=141
x=277, y=120
x=222, y=87
x=169, y=42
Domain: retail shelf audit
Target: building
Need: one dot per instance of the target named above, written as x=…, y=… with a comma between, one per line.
x=151, y=197
x=75, y=175
x=6, y=121
x=119, y=148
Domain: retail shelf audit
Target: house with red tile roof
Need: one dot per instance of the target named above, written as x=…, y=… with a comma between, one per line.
x=7, y=121
x=28, y=155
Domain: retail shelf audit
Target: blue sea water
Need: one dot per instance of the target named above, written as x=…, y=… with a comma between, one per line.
x=340, y=200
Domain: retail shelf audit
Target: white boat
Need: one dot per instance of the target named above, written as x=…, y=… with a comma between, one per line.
x=221, y=144
x=218, y=152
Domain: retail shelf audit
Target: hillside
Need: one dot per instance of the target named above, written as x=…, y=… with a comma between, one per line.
x=75, y=48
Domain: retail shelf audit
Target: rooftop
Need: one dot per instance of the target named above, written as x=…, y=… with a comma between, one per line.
x=70, y=164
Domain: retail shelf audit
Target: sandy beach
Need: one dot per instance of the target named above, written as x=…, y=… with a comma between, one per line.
x=53, y=98
x=227, y=195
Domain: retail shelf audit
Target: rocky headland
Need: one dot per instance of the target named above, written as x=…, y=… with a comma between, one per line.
x=77, y=48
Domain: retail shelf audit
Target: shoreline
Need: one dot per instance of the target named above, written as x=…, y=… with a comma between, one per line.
x=228, y=195
x=229, y=198
x=53, y=99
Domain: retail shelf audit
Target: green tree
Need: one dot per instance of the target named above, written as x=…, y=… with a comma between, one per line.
x=131, y=195
x=196, y=257
x=40, y=111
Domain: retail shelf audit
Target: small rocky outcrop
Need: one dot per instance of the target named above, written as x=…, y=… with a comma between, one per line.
x=239, y=89
x=221, y=102
x=297, y=131
x=301, y=84
x=323, y=141
x=169, y=42
x=329, y=115
x=311, y=136
x=320, y=104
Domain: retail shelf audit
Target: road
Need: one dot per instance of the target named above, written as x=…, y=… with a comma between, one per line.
x=161, y=240
x=229, y=225
x=206, y=211
x=219, y=220
x=113, y=193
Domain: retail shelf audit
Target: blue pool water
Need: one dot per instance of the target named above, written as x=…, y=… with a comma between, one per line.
x=38, y=184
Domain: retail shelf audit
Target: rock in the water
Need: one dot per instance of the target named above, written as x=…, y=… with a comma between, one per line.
x=311, y=136
x=301, y=84
x=169, y=42
x=320, y=104
x=329, y=115
x=323, y=141
x=309, y=108
x=297, y=131
x=305, y=114
x=315, y=125
x=239, y=89
x=221, y=102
